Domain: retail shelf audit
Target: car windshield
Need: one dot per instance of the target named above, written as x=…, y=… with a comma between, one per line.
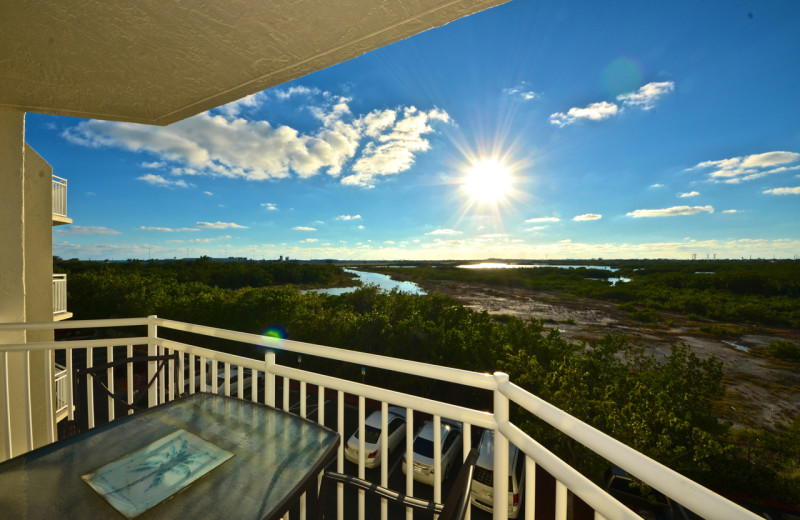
x=372, y=436
x=423, y=447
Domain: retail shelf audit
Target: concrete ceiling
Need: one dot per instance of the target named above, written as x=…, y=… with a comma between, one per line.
x=160, y=61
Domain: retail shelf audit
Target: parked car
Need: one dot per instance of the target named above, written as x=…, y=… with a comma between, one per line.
x=423, y=451
x=482, y=495
x=372, y=437
x=651, y=504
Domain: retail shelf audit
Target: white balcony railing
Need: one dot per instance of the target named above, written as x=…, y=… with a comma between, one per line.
x=59, y=196
x=63, y=389
x=292, y=389
x=59, y=293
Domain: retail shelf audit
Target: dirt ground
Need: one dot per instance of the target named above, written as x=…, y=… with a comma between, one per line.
x=760, y=391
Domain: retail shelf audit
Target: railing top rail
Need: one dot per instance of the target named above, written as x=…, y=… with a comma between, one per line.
x=59, y=180
x=83, y=343
x=74, y=324
x=691, y=494
x=454, y=375
x=59, y=277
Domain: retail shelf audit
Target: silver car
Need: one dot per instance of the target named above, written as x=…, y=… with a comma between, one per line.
x=372, y=437
x=482, y=495
x=423, y=451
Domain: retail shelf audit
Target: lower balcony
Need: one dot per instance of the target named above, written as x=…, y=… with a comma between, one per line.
x=296, y=377
x=60, y=298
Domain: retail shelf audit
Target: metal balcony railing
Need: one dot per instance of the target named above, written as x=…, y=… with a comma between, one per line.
x=63, y=390
x=59, y=293
x=294, y=389
x=59, y=196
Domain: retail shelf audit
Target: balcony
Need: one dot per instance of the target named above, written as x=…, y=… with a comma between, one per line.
x=60, y=298
x=60, y=202
x=343, y=404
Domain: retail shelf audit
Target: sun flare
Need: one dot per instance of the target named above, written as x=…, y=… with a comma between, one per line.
x=488, y=181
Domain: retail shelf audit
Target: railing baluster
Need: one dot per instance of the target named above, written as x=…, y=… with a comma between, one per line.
x=240, y=381
x=129, y=370
x=466, y=430
x=409, y=459
x=561, y=501
x=170, y=367
x=530, y=488
x=437, y=459
x=214, y=376
x=269, y=377
x=152, y=366
x=501, y=408
x=321, y=405
x=49, y=389
x=361, y=454
x=28, y=399
x=227, y=384
x=181, y=373
x=254, y=385
x=110, y=382
x=192, y=375
x=90, y=387
x=70, y=396
x=203, y=376
x=7, y=407
x=384, y=456
x=303, y=411
x=286, y=384
x=162, y=380
x=340, y=456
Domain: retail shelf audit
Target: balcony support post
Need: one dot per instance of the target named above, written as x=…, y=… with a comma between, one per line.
x=152, y=366
x=269, y=377
x=501, y=416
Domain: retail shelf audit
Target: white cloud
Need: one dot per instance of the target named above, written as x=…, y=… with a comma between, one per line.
x=158, y=180
x=730, y=211
x=670, y=212
x=270, y=206
x=361, y=227
x=86, y=230
x=208, y=240
x=689, y=194
x=219, y=225
x=593, y=112
x=303, y=228
x=388, y=242
x=394, y=150
x=750, y=167
x=235, y=108
x=154, y=164
x=299, y=90
x=647, y=95
x=783, y=191
x=494, y=235
x=542, y=219
x=308, y=240
x=167, y=229
x=656, y=185
x=444, y=231
x=587, y=216
x=536, y=228
x=208, y=193
x=348, y=217
x=644, y=99
x=521, y=92
x=221, y=144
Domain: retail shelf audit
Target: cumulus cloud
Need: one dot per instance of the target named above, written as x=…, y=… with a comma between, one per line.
x=689, y=194
x=166, y=229
x=647, y=95
x=521, y=92
x=270, y=206
x=670, y=212
x=220, y=143
x=348, y=217
x=656, y=185
x=444, y=231
x=783, y=191
x=158, y=180
x=730, y=211
x=746, y=168
x=303, y=228
x=86, y=230
x=643, y=99
x=593, y=112
x=535, y=220
x=308, y=240
x=587, y=216
x=154, y=164
x=219, y=225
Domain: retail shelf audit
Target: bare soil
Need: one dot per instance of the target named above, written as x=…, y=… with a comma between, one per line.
x=759, y=391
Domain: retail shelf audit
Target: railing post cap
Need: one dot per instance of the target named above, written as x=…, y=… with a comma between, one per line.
x=501, y=377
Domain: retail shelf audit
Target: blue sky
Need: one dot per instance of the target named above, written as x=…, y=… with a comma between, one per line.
x=531, y=130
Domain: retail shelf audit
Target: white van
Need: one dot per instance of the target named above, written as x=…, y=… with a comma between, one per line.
x=482, y=495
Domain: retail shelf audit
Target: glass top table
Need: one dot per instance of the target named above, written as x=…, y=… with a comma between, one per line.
x=201, y=456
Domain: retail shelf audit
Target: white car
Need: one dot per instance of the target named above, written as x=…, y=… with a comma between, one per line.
x=372, y=438
x=423, y=451
x=482, y=494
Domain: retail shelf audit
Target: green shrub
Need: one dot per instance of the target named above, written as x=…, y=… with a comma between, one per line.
x=783, y=349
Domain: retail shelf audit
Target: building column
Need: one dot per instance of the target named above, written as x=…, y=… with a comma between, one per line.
x=12, y=272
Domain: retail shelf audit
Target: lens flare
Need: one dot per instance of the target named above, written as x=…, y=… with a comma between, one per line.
x=276, y=331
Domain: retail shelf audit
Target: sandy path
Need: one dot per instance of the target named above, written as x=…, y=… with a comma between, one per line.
x=760, y=391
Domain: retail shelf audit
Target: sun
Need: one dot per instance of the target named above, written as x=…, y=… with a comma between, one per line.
x=488, y=181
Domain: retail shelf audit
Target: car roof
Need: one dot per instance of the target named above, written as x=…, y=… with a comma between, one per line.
x=427, y=429
x=374, y=418
x=486, y=449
